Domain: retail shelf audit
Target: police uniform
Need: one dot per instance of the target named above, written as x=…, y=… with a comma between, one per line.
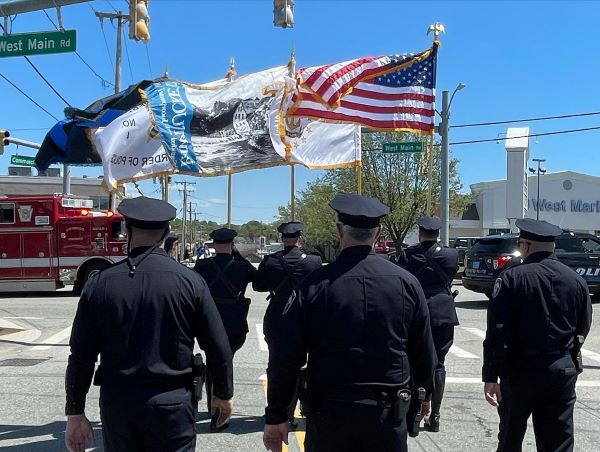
x=227, y=279
x=435, y=267
x=281, y=274
x=537, y=311
x=141, y=316
x=364, y=324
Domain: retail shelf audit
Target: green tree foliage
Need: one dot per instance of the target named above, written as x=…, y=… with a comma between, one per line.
x=400, y=181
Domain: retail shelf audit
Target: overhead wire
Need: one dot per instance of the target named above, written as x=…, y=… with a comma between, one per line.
x=543, y=118
x=531, y=135
x=127, y=54
x=28, y=96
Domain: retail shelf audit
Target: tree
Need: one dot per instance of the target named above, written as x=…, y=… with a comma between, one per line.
x=401, y=181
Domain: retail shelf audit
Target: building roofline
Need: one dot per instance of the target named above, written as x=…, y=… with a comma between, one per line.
x=480, y=186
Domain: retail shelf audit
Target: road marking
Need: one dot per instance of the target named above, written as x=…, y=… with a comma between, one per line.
x=474, y=331
x=462, y=353
x=261, y=338
x=54, y=339
x=25, y=318
x=477, y=381
x=591, y=355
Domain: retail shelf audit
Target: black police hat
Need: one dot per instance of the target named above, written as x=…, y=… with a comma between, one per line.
x=538, y=230
x=430, y=223
x=291, y=229
x=147, y=213
x=359, y=211
x=223, y=235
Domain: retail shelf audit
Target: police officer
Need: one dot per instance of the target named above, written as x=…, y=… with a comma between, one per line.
x=141, y=316
x=364, y=323
x=227, y=275
x=281, y=273
x=537, y=319
x=435, y=267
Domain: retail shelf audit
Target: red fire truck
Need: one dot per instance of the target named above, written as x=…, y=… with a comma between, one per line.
x=48, y=241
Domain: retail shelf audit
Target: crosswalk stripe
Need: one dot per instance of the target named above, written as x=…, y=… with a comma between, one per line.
x=54, y=339
x=590, y=355
x=461, y=353
x=262, y=345
x=474, y=331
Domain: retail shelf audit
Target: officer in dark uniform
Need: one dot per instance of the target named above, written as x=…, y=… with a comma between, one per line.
x=364, y=324
x=281, y=273
x=227, y=275
x=538, y=318
x=141, y=316
x=435, y=267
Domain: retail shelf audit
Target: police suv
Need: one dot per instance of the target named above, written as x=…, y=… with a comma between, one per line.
x=488, y=256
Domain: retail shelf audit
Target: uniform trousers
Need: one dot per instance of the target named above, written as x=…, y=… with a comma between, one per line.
x=236, y=341
x=443, y=338
x=140, y=417
x=543, y=388
x=352, y=427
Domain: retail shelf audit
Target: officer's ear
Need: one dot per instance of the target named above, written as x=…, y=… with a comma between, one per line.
x=340, y=230
x=378, y=233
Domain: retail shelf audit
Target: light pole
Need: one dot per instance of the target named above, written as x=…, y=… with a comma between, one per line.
x=445, y=171
x=539, y=170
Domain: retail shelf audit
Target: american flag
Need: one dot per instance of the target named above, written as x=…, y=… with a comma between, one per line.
x=395, y=92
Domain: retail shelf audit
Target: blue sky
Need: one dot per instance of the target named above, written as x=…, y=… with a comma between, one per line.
x=519, y=59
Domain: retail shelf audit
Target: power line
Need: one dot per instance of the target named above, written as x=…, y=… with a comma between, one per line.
x=559, y=132
x=46, y=80
x=148, y=58
x=102, y=79
x=544, y=118
x=28, y=96
x=127, y=53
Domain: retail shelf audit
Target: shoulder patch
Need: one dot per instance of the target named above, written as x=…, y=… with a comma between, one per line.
x=497, y=286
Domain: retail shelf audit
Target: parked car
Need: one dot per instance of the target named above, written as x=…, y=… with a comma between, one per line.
x=385, y=247
x=462, y=244
x=490, y=255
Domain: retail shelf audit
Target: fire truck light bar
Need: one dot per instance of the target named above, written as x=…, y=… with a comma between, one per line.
x=78, y=203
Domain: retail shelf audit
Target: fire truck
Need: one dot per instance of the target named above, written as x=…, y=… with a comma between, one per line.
x=49, y=241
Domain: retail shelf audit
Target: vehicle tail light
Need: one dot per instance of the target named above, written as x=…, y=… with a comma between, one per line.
x=500, y=261
x=84, y=212
x=110, y=213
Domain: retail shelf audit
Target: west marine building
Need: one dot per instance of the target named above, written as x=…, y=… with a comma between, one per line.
x=568, y=199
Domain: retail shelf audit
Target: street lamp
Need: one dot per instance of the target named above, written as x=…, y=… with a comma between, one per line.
x=539, y=170
x=445, y=171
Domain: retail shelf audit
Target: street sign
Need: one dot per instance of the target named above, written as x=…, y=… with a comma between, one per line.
x=22, y=160
x=407, y=146
x=45, y=42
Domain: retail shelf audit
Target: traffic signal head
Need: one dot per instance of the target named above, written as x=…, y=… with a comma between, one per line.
x=3, y=135
x=139, y=20
x=283, y=13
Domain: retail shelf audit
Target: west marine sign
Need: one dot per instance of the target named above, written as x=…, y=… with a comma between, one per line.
x=574, y=205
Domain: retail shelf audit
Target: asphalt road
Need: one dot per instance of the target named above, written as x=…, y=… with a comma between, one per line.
x=34, y=331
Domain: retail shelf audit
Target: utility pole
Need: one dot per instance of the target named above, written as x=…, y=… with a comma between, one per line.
x=185, y=191
x=539, y=170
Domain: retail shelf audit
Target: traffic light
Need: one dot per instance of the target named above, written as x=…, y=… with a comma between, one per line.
x=3, y=135
x=283, y=13
x=139, y=20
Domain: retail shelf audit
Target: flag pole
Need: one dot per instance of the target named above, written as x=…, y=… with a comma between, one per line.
x=292, y=73
x=229, y=75
x=429, y=173
x=358, y=163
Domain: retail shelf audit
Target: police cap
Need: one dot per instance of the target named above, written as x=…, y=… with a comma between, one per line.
x=430, y=223
x=223, y=235
x=147, y=213
x=537, y=230
x=291, y=229
x=359, y=211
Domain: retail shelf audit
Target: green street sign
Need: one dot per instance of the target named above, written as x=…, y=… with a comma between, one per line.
x=22, y=160
x=407, y=146
x=45, y=42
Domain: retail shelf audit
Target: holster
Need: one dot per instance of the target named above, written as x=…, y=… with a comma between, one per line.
x=199, y=373
x=576, y=353
x=304, y=395
x=414, y=416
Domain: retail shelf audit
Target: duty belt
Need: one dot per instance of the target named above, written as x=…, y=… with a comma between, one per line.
x=227, y=300
x=363, y=396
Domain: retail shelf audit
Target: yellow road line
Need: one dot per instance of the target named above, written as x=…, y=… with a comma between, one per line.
x=299, y=434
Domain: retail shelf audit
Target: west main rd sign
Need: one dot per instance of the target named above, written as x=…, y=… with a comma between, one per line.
x=576, y=205
x=20, y=44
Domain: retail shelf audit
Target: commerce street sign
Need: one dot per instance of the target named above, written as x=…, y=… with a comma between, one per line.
x=45, y=42
x=402, y=147
x=22, y=160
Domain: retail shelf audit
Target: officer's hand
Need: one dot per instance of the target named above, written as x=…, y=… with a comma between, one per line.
x=425, y=410
x=224, y=408
x=492, y=394
x=79, y=433
x=275, y=435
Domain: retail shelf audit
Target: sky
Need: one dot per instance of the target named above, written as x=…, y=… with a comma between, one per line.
x=518, y=59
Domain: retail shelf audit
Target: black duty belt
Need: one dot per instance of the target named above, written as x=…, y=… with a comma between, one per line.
x=227, y=301
x=533, y=352
x=362, y=396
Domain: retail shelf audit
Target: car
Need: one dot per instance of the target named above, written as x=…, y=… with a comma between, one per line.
x=462, y=244
x=385, y=247
x=490, y=255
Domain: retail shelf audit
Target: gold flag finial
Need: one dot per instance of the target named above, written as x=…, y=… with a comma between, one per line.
x=436, y=29
x=292, y=63
x=166, y=74
x=231, y=72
